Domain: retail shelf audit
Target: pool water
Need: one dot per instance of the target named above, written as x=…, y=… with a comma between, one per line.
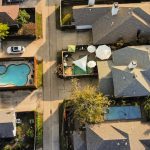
x=15, y=75
x=2, y=69
x=123, y=113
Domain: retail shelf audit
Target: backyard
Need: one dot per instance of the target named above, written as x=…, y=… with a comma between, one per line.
x=25, y=133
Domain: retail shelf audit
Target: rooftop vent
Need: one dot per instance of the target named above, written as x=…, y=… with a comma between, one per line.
x=115, y=9
x=91, y=3
x=132, y=65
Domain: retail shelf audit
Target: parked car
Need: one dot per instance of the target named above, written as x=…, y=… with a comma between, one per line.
x=15, y=49
x=14, y=1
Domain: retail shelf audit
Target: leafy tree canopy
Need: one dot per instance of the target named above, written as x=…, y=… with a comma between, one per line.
x=3, y=30
x=88, y=104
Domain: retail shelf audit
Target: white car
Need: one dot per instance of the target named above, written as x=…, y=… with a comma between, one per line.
x=15, y=49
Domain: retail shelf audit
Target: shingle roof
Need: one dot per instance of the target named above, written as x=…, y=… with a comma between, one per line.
x=6, y=19
x=88, y=15
x=107, y=28
x=79, y=141
x=97, y=139
x=125, y=25
x=124, y=56
x=105, y=77
x=118, y=136
x=126, y=82
x=7, y=124
x=11, y=10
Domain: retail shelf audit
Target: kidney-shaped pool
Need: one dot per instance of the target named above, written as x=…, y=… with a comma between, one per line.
x=15, y=75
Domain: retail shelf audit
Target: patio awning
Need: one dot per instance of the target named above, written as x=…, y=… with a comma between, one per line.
x=81, y=63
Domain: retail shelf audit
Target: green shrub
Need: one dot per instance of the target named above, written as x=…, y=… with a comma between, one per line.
x=8, y=147
x=39, y=74
x=38, y=20
x=3, y=30
x=23, y=17
x=66, y=19
x=30, y=133
x=39, y=129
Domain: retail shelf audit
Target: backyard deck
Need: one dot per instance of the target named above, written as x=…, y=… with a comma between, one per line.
x=72, y=70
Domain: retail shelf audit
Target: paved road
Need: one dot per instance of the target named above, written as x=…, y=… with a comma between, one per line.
x=54, y=89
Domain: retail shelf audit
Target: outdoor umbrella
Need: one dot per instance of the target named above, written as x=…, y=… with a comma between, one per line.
x=91, y=64
x=81, y=63
x=91, y=49
x=103, y=52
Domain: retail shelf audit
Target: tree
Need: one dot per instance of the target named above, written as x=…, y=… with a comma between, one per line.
x=3, y=30
x=88, y=105
x=147, y=107
x=23, y=17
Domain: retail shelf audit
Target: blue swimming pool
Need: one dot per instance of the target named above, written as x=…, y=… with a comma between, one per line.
x=16, y=75
x=123, y=113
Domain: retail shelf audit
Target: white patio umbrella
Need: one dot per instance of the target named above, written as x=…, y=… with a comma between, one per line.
x=91, y=49
x=91, y=64
x=81, y=63
x=103, y=52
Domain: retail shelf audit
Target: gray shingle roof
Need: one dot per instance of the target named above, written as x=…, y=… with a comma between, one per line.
x=79, y=141
x=124, y=56
x=126, y=82
x=7, y=124
x=95, y=141
x=6, y=19
x=109, y=29
x=127, y=85
x=105, y=77
x=88, y=15
x=6, y=130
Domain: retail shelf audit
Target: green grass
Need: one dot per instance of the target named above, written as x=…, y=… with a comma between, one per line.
x=38, y=21
x=39, y=74
x=39, y=130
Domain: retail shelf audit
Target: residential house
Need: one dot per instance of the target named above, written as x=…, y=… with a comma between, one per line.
x=7, y=124
x=131, y=22
x=120, y=77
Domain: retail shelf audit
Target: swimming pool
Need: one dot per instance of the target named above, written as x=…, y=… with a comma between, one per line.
x=123, y=113
x=16, y=75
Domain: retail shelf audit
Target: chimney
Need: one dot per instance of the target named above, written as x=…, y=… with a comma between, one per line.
x=132, y=65
x=91, y=3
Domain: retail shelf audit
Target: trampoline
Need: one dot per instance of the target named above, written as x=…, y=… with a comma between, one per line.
x=123, y=113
